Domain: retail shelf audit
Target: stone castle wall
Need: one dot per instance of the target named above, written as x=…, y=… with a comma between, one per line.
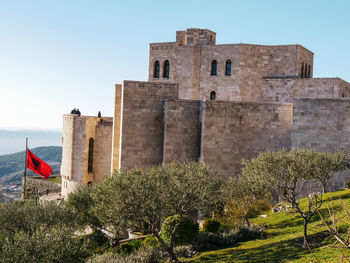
x=190, y=66
x=76, y=133
x=142, y=123
x=284, y=90
x=103, y=149
x=67, y=146
x=73, y=149
x=182, y=132
x=321, y=124
x=173, y=118
x=304, y=56
x=235, y=130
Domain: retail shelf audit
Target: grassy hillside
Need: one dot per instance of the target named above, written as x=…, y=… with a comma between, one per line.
x=12, y=165
x=284, y=242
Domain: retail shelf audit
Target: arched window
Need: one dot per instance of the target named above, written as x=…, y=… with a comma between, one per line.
x=91, y=154
x=305, y=71
x=228, y=67
x=156, y=69
x=166, y=69
x=309, y=72
x=89, y=184
x=212, y=95
x=302, y=70
x=213, y=67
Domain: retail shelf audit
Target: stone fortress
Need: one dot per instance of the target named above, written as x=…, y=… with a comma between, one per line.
x=208, y=102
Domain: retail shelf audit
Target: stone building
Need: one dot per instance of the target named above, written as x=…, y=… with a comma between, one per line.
x=208, y=102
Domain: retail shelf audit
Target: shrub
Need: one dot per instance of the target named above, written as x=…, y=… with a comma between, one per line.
x=243, y=233
x=259, y=207
x=143, y=255
x=185, y=233
x=150, y=241
x=347, y=185
x=58, y=246
x=96, y=242
x=184, y=251
x=98, y=237
x=126, y=248
x=207, y=241
x=211, y=225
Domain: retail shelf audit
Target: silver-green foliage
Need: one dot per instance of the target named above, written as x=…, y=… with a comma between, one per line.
x=130, y=198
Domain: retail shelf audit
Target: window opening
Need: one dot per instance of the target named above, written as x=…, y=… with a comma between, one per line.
x=212, y=95
x=156, y=69
x=91, y=153
x=228, y=67
x=213, y=67
x=166, y=69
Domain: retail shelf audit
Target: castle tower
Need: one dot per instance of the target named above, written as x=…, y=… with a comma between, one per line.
x=86, y=150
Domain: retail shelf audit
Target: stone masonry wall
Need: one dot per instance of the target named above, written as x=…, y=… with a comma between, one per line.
x=235, y=130
x=305, y=56
x=117, y=126
x=283, y=61
x=321, y=124
x=227, y=87
x=142, y=122
x=182, y=130
x=190, y=66
x=184, y=67
x=73, y=152
x=67, y=145
x=103, y=149
x=284, y=90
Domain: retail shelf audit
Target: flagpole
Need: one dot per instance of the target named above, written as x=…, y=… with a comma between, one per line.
x=25, y=172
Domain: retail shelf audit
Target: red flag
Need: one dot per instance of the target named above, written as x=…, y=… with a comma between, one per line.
x=38, y=166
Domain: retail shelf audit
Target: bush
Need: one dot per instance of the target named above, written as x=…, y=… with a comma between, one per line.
x=39, y=246
x=185, y=233
x=208, y=241
x=243, y=233
x=259, y=207
x=143, y=255
x=211, y=225
x=150, y=241
x=184, y=251
x=96, y=242
x=98, y=237
x=128, y=247
x=347, y=185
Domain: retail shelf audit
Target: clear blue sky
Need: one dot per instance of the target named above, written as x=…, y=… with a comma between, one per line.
x=56, y=55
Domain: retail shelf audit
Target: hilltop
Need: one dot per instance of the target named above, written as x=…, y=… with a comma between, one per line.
x=12, y=165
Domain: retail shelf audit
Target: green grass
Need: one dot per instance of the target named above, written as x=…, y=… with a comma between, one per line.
x=284, y=241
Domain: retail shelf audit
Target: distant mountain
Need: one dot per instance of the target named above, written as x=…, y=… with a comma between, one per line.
x=12, y=165
x=12, y=141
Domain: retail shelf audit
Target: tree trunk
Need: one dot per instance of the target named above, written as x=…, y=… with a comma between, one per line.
x=167, y=248
x=324, y=187
x=305, y=232
x=247, y=221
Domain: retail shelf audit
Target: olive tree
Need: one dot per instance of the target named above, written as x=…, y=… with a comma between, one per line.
x=240, y=196
x=243, y=192
x=130, y=198
x=326, y=164
x=38, y=233
x=286, y=171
